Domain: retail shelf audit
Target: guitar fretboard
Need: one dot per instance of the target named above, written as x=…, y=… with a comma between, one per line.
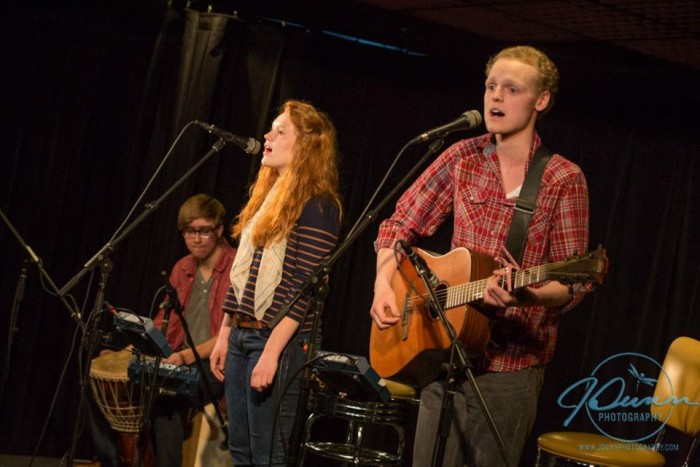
x=472, y=291
x=587, y=268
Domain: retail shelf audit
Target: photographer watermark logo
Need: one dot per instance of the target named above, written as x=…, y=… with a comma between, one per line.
x=618, y=396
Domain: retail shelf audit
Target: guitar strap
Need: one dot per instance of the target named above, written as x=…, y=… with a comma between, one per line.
x=526, y=204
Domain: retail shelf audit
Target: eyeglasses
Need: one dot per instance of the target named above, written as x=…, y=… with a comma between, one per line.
x=204, y=232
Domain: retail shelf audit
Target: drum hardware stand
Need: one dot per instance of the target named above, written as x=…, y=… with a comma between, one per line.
x=101, y=258
x=457, y=370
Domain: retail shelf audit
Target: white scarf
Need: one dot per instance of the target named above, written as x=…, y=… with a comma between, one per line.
x=271, y=264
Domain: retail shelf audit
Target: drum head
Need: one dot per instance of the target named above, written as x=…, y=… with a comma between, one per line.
x=111, y=366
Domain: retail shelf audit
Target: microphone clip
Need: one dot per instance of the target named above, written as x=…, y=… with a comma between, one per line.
x=420, y=265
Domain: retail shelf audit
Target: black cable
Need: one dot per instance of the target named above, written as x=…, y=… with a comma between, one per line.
x=410, y=283
x=379, y=187
x=53, y=400
x=276, y=425
x=62, y=376
x=150, y=182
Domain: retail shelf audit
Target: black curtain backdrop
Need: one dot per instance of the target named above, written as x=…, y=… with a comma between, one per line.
x=93, y=97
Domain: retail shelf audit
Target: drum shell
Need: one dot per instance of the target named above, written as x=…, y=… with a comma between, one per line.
x=116, y=397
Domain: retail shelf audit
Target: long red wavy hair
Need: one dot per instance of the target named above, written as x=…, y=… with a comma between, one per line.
x=313, y=171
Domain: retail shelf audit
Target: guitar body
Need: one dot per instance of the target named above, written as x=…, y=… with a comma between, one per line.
x=412, y=351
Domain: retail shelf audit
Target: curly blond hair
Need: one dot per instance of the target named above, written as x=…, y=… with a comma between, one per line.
x=548, y=74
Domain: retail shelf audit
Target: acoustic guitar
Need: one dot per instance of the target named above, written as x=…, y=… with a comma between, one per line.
x=413, y=350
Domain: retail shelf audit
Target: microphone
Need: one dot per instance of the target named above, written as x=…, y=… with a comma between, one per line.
x=419, y=264
x=249, y=145
x=466, y=121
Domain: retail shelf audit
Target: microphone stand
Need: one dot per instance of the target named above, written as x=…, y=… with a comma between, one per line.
x=102, y=258
x=455, y=371
x=12, y=327
x=315, y=286
x=205, y=381
x=74, y=313
x=320, y=293
x=89, y=337
x=145, y=425
x=108, y=248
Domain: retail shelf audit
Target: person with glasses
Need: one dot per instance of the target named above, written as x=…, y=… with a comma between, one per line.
x=200, y=280
x=289, y=225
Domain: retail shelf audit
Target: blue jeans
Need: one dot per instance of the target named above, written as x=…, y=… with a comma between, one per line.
x=512, y=402
x=260, y=423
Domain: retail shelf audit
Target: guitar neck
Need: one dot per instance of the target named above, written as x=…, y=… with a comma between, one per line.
x=472, y=291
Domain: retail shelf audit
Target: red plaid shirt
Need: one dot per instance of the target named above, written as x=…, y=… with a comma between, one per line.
x=465, y=181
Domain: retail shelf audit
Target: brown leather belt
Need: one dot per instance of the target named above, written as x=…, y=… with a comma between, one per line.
x=244, y=321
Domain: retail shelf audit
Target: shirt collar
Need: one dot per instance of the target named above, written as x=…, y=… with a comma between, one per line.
x=488, y=145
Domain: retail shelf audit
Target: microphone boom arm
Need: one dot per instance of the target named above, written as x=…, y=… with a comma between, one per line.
x=108, y=248
x=316, y=279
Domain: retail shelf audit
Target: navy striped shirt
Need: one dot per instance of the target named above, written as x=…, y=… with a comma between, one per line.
x=313, y=236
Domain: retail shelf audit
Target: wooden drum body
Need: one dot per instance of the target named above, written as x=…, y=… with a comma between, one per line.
x=120, y=402
x=116, y=396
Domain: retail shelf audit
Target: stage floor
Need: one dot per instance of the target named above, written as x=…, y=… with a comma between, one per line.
x=7, y=460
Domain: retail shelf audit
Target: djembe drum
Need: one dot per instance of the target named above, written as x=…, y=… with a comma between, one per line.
x=120, y=402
